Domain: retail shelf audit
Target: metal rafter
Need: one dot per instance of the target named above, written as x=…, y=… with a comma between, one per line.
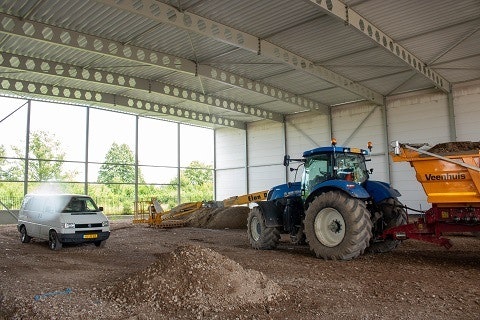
x=63, y=70
x=351, y=17
x=50, y=34
x=131, y=104
x=164, y=13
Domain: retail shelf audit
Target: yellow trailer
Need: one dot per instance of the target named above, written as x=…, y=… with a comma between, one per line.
x=446, y=180
x=451, y=182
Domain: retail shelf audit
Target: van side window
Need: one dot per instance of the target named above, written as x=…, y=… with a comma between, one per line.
x=51, y=205
x=35, y=204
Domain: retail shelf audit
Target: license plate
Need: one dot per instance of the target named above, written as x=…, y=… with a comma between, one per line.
x=90, y=236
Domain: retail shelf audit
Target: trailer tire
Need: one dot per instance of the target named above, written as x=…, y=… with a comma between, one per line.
x=337, y=226
x=394, y=215
x=260, y=236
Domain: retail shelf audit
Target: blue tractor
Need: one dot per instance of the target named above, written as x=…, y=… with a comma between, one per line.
x=335, y=209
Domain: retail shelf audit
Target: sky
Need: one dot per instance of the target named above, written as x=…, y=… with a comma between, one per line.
x=157, y=139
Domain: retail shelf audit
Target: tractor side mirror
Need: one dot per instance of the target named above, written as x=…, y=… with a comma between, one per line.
x=286, y=160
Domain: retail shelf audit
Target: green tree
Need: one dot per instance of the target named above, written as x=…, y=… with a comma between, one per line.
x=196, y=184
x=3, y=162
x=45, y=159
x=118, y=175
x=119, y=166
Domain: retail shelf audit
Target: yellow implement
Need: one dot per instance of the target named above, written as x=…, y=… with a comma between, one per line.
x=151, y=212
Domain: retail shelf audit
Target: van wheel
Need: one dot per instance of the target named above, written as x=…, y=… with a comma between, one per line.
x=99, y=244
x=53, y=241
x=25, y=238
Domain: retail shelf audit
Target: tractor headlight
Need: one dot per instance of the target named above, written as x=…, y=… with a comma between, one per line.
x=69, y=225
x=105, y=223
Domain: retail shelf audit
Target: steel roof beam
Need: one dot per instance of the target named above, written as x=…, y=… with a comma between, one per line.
x=164, y=13
x=132, y=104
x=46, y=33
x=353, y=18
x=63, y=70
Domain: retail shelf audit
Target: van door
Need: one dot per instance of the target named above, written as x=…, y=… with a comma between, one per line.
x=34, y=213
x=50, y=218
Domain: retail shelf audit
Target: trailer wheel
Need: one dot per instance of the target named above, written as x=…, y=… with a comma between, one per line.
x=337, y=226
x=260, y=236
x=393, y=215
x=53, y=241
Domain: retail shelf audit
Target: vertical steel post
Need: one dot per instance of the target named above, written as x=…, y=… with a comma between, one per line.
x=387, y=139
x=451, y=115
x=27, y=149
x=136, y=158
x=179, y=200
x=87, y=140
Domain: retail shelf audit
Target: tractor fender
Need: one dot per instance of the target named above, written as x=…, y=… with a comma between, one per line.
x=271, y=213
x=380, y=191
x=353, y=189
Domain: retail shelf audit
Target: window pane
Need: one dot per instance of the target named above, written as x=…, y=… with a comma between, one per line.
x=158, y=175
x=62, y=123
x=157, y=142
x=196, y=144
x=13, y=125
x=107, y=128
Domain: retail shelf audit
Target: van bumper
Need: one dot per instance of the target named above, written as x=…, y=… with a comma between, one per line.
x=82, y=236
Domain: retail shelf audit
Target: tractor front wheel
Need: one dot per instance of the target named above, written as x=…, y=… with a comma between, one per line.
x=260, y=236
x=337, y=226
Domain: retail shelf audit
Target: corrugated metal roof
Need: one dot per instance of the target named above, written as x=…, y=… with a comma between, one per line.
x=276, y=58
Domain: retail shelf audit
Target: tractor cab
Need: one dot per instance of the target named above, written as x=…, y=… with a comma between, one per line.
x=333, y=163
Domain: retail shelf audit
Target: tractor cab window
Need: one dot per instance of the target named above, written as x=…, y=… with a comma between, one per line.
x=351, y=167
x=317, y=169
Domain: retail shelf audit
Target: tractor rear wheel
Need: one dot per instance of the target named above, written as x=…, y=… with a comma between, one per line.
x=393, y=215
x=337, y=226
x=260, y=236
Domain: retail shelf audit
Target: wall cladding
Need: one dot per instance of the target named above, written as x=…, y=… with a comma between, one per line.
x=230, y=163
x=467, y=112
x=416, y=119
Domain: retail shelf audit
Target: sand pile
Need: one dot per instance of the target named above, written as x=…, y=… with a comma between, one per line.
x=194, y=279
x=219, y=218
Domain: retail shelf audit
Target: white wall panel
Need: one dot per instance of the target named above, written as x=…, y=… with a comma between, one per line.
x=231, y=172
x=230, y=148
x=266, y=147
x=265, y=177
x=266, y=143
x=356, y=124
x=305, y=131
x=467, y=112
x=231, y=182
x=419, y=118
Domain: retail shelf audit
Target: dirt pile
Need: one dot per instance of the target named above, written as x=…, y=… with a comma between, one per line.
x=194, y=280
x=451, y=148
x=219, y=218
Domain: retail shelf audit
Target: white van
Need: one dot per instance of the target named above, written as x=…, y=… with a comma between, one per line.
x=62, y=218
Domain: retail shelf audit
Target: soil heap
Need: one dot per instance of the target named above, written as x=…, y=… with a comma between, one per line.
x=193, y=280
x=219, y=218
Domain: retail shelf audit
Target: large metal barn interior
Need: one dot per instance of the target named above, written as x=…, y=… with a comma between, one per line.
x=266, y=78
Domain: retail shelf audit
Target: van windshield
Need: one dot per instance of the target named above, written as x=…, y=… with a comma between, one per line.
x=79, y=205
